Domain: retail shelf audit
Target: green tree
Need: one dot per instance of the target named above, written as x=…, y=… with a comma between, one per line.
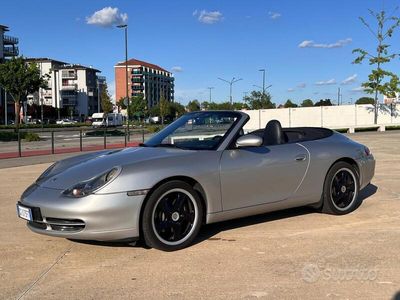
x=177, y=109
x=307, y=103
x=380, y=81
x=259, y=100
x=106, y=104
x=326, y=102
x=193, y=105
x=120, y=103
x=164, y=108
x=20, y=79
x=289, y=103
x=138, y=107
x=365, y=100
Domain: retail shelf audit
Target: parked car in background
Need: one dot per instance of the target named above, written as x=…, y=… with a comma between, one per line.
x=65, y=122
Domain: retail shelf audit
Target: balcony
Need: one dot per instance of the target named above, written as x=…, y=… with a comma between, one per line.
x=10, y=51
x=69, y=87
x=137, y=79
x=137, y=87
x=10, y=40
x=68, y=74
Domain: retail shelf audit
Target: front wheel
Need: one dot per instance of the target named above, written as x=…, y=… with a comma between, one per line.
x=172, y=216
x=341, y=188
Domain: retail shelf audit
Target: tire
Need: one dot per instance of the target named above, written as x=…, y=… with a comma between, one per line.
x=172, y=216
x=341, y=189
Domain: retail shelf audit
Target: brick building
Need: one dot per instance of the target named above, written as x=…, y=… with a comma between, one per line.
x=144, y=78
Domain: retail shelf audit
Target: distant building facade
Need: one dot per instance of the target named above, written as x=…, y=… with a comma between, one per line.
x=395, y=100
x=8, y=49
x=70, y=86
x=145, y=79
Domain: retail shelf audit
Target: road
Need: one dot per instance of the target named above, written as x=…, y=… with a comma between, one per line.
x=296, y=253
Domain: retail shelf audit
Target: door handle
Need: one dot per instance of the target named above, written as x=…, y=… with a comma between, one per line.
x=301, y=158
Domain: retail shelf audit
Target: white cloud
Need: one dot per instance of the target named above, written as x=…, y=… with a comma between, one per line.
x=274, y=15
x=326, y=82
x=349, y=80
x=302, y=85
x=111, y=90
x=290, y=90
x=208, y=17
x=107, y=17
x=177, y=69
x=358, y=89
x=312, y=44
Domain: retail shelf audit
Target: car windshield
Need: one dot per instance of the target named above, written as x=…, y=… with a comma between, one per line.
x=196, y=131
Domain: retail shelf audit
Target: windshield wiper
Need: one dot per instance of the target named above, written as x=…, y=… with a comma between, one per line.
x=170, y=146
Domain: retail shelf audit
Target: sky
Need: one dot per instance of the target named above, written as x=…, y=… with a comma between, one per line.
x=304, y=46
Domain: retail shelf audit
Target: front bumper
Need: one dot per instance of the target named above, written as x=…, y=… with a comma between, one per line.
x=100, y=217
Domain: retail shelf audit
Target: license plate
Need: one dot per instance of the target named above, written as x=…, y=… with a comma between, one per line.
x=24, y=212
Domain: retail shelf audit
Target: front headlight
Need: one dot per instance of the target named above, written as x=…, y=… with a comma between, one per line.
x=88, y=187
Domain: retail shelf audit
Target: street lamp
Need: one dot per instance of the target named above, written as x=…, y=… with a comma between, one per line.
x=210, y=88
x=263, y=86
x=230, y=86
x=125, y=27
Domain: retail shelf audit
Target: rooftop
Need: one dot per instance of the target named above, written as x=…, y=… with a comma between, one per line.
x=44, y=59
x=136, y=62
x=4, y=27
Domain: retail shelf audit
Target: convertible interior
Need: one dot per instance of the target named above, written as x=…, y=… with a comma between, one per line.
x=274, y=134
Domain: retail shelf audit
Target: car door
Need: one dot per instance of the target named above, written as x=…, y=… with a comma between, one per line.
x=259, y=175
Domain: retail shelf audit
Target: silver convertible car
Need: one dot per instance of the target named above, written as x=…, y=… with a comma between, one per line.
x=202, y=168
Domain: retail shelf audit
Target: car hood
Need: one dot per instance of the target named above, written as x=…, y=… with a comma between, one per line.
x=71, y=171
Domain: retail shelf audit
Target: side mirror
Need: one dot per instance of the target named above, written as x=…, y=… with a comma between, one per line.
x=249, y=140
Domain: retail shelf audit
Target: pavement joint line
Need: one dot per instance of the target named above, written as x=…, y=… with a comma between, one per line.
x=45, y=273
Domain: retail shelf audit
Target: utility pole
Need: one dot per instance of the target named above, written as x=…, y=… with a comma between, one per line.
x=263, y=85
x=230, y=86
x=125, y=27
x=210, y=88
x=338, y=97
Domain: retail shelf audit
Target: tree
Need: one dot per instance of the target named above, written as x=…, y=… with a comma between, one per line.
x=20, y=79
x=365, y=100
x=380, y=81
x=289, y=103
x=164, y=108
x=326, y=102
x=120, y=103
x=138, y=107
x=177, y=109
x=307, y=103
x=193, y=105
x=259, y=100
x=106, y=104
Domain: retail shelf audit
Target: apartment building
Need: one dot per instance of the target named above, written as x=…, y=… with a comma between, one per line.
x=144, y=78
x=8, y=49
x=70, y=86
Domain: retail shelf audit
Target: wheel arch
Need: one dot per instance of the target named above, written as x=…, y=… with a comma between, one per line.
x=189, y=180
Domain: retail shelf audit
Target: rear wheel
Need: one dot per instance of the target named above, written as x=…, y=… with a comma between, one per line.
x=341, y=188
x=172, y=216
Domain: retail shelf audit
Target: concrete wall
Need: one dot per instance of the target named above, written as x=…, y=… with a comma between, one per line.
x=343, y=116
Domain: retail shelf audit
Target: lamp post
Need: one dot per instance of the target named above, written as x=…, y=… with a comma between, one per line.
x=230, y=85
x=125, y=27
x=263, y=86
x=210, y=88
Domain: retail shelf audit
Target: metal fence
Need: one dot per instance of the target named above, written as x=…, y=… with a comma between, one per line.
x=64, y=140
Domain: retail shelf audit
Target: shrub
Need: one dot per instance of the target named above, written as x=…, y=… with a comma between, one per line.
x=30, y=136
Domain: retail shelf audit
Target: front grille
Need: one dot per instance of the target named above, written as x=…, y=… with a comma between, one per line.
x=65, y=224
x=70, y=225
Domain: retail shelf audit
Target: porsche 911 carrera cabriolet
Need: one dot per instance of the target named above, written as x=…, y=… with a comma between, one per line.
x=202, y=168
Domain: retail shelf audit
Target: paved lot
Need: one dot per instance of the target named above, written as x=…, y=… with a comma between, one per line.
x=291, y=254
